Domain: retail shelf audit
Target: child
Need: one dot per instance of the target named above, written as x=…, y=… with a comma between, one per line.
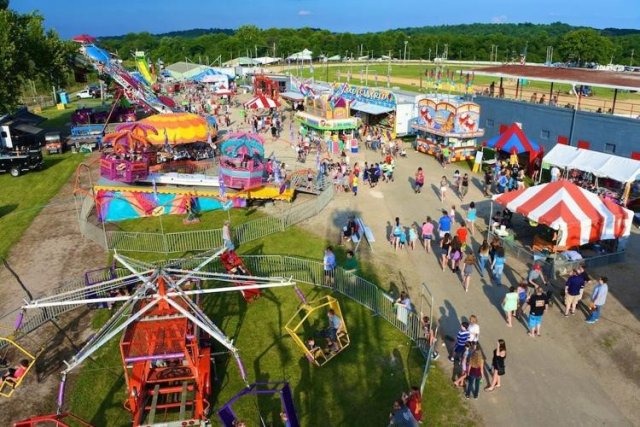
x=452, y=213
x=522, y=299
x=403, y=239
x=354, y=185
x=413, y=236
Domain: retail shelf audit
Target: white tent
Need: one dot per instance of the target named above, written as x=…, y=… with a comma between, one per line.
x=265, y=60
x=305, y=55
x=334, y=58
x=602, y=165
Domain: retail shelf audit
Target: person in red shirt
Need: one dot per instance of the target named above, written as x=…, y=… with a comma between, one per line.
x=462, y=232
x=419, y=180
x=413, y=400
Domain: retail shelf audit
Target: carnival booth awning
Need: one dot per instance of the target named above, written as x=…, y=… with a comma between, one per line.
x=581, y=216
x=370, y=108
x=601, y=165
x=292, y=96
x=261, y=102
x=514, y=141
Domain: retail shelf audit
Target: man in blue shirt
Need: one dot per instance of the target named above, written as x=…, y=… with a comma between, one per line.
x=598, y=298
x=444, y=224
x=573, y=292
x=401, y=415
x=329, y=261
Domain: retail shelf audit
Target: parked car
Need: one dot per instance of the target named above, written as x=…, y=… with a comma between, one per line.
x=53, y=143
x=84, y=94
x=16, y=162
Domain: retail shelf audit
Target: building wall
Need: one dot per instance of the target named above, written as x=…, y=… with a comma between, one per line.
x=551, y=125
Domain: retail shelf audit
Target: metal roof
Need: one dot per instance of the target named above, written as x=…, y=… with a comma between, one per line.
x=576, y=76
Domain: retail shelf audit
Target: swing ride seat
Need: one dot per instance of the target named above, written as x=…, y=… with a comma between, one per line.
x=65, y=419
x=234, y=265
x=230, y=419
x=296, y=325
x=9, y=385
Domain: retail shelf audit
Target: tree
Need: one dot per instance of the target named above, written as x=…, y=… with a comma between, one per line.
x=585, y=46
x=28, y=53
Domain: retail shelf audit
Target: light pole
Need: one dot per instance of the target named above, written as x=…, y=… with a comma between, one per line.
x=406, y=42
x=429, y=54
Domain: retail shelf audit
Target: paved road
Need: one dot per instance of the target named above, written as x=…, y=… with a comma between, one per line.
x=561, y=378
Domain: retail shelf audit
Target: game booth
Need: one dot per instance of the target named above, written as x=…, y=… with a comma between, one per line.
x=448, y=122
x=563, y=222
x=512, y=143
x=610, y=176
x=375, y=107
x=329, y=118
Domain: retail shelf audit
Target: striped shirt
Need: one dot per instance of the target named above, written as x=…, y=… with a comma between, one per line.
x=462, y=338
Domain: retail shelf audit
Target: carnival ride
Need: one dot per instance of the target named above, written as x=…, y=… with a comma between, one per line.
x=300, y=326
x=167, y=339
x=131, y=88
x=145, y=69
x=10, y=380
x=242, y=161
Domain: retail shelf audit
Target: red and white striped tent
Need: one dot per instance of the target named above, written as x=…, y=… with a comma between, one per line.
x=261, y=101
x=580, y=216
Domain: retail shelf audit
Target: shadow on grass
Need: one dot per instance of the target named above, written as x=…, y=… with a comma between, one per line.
x=7, y=209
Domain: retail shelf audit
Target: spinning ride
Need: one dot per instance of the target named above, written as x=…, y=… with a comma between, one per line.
x=166, y=337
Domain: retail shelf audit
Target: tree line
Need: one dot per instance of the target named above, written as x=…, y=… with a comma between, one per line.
x=481, y=42
x=29, y=56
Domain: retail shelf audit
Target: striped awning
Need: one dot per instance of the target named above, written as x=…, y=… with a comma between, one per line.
x=261, y=102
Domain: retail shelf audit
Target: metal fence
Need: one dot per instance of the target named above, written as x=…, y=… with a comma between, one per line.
x=200, y=240
x=301, y=270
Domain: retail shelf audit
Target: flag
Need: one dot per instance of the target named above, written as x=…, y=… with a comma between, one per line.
x=361, y=75
x=227, y=205
x=375, y=76
x=222, y=191
x=349, y=75
x=338, y=74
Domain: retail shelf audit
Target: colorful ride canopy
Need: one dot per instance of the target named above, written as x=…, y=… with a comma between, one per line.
x=237, y=144
x=581, y=216
x=178, y=128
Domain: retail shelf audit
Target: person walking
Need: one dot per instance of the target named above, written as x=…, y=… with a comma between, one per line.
x=397, y=234
x=483, y=257
x=413, y=236
x=538, y=302
x=427, y=234
x=573, y=292
x=488, y=183
x=419, y=180
x=444, y=184
x=498, y=265
x=598, y=299
x=464, y=186
x=474, y=374
x=510, y=304
x=329, y=261
x=497, y=365
x=445, y=248
x=467, y=271
x=444, y=224
x=464, y=365
x=472, y=214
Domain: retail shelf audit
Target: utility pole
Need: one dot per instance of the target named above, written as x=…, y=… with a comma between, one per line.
x=406, y=42
x=633, y=51
x=429, y=54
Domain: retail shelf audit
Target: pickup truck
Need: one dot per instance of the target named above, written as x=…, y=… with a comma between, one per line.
x=16, y=162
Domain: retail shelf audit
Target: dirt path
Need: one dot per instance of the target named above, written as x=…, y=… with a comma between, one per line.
x=51, y=251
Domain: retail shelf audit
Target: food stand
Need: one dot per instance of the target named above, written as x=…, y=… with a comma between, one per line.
x=611, y=176
x=448, y=122
x=329, y=120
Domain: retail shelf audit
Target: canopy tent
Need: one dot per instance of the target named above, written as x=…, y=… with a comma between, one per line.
x=292, y=96
x=242, y=61
x=305, y=55
x=209, y=75
x=261, y=101
x=265, y=60
x=580, y=216
x=370, y=108
x=601, y=165
x=514, y=141
x=334, y=58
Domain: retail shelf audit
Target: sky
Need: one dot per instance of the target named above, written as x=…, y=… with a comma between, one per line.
x=116, y=17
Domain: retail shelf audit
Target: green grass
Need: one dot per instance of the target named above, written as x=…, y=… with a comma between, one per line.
x=60, y=119
x=22, y=198
x=355, y=388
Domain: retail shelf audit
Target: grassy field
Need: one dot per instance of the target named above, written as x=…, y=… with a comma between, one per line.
x=22, y=198
x=356, y=388
x=60, y=119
